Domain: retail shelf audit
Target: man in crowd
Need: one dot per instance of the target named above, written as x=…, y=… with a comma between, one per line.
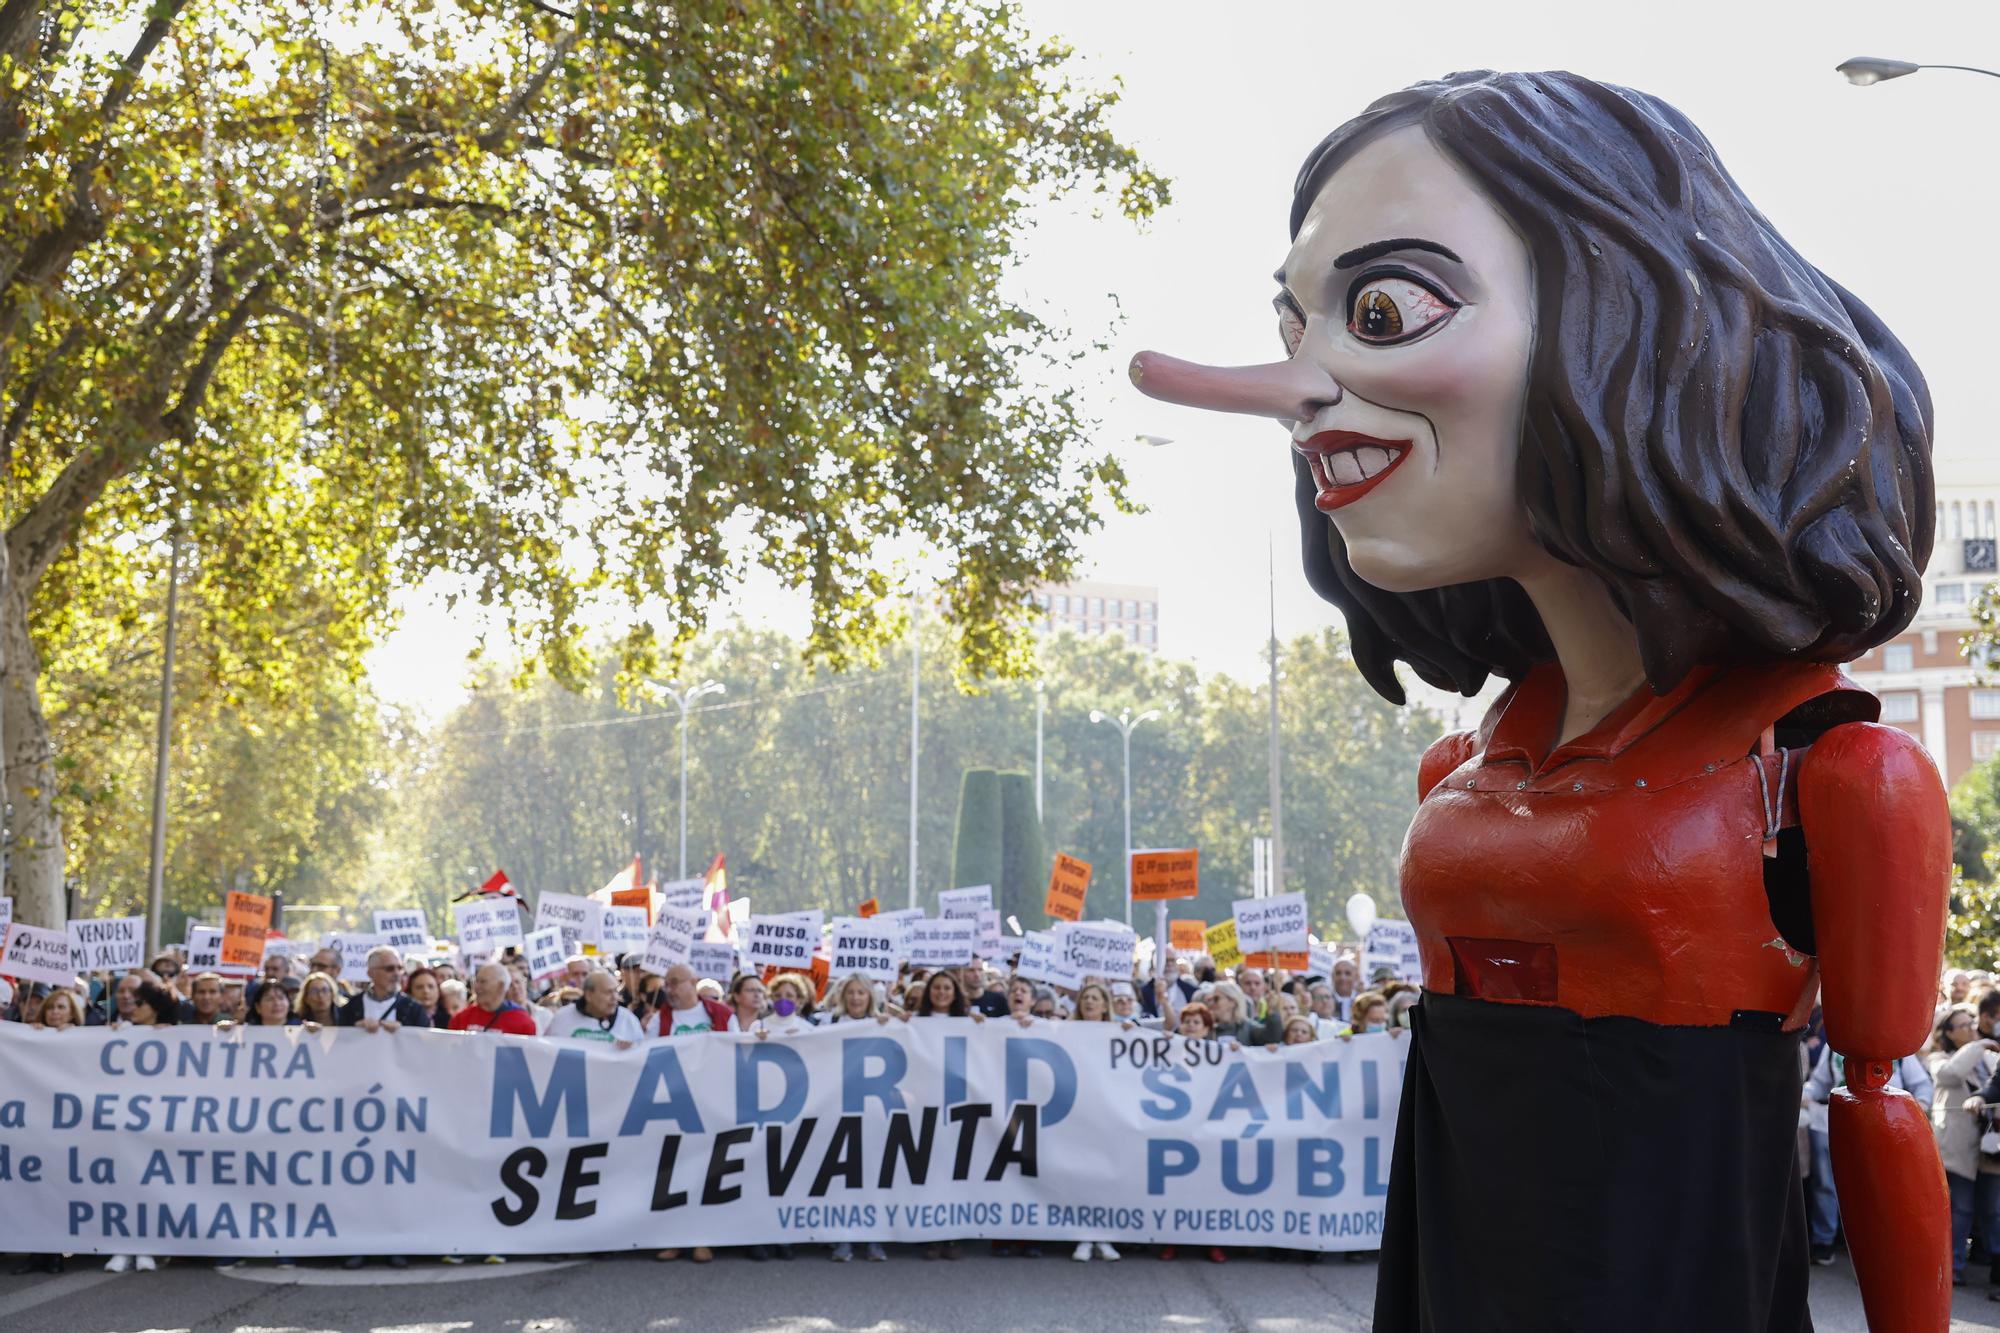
x=382, y=1004
x=1328, y=1021
x=204, y=999
x=597, y=1015
x=327, y=960
x=992, y=1003
x=1256, y=986
x=1168, y=992
x=683, y=1009
x=491, y=1010
x=1346, y=985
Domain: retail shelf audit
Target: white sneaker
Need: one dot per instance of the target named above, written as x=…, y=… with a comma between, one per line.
x=1104, y=1251
x=1082, y=1251
x=119, y=1263
x=144, y=1263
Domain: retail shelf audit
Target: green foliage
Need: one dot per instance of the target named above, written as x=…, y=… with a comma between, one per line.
x=801, y=777
x=976, y=848
x=1972, y=931
x=1022, y=888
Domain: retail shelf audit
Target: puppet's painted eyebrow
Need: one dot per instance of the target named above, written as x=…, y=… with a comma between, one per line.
x=1361, y=254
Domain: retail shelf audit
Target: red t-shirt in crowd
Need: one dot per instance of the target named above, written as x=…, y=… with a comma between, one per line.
x=510, y=1017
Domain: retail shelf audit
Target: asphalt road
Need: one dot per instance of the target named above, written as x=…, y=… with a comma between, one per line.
x=807, y=1295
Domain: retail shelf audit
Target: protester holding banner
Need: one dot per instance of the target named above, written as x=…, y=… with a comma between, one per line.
x=596, y=1015
x=452, y=997
x=854, y=1001
x=271, y=1007
x=383, y=1004
x=683, y=1009
x=792, y=1001
x=423, y=986
x=943, y=996
x=204, y=999
x=1233, y=1021
x=491, y=1010
x=319, y=1000
x=61, y=1010
x=747, y=998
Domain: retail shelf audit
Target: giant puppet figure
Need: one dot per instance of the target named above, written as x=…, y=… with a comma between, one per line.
x=1564, y=408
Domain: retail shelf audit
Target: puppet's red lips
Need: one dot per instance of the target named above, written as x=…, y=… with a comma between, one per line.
x=1347, y=465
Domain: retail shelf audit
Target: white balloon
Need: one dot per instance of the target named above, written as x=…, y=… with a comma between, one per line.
x=1361, y=914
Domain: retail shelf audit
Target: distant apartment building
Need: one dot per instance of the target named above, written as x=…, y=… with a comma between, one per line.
x=1928, y=686
x=1124, y=609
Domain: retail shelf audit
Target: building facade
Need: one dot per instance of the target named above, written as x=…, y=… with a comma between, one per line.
x=1127, y=610
x=1928, y=684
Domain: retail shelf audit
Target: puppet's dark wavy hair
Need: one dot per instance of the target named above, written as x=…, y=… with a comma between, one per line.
x=1719, y=431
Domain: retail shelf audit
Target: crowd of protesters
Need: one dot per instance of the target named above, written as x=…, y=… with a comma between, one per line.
x=1957, y=1073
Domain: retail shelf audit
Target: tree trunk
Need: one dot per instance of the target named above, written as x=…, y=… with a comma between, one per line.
x=35, y=856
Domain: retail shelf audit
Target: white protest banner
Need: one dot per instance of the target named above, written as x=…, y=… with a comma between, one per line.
x=941, y=943
x=403, y=929
x=31, y=953
x=1277, y=923
x=989, y=943
x=204, y=949
x=684, y=893
x=786, y=940
x=902, y=917
x=1057, y=1132
x=624, y=930
x=671, y=940
x=869, y=947
x=487, y=926
x=354, y=951
x=6, y=911
x=1098, y=949
x=579, y=919
x=109, y=944
x=545, y=951
x=1042, y=959
x=968, y=902
x=1393, y=944
x=713, y=958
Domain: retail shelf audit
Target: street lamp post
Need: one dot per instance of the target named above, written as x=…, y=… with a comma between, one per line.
x=1125, y=723
x=1866, y=70
x=682, y=699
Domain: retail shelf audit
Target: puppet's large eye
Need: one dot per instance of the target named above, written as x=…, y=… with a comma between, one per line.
x=1390, y=306
x=1291, y=324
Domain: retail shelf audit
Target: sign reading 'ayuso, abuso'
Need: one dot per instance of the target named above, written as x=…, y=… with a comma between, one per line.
x=280, y=1141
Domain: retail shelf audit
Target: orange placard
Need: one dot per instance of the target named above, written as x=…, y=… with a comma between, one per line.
x=868, y=909
x=246, y=922
x=1186, y=936
x=1069, y=881
x=1291, y=962
x=1163, y=873
x=634, y=898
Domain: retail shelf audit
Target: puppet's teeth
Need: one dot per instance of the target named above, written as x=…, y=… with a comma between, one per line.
x=1372, y=460
x=1344, y=468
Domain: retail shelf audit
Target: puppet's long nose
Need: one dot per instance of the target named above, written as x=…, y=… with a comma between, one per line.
x=1286, y=390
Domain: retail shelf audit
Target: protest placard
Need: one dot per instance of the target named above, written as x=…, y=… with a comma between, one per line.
x=942, y=943
x=1163, y=873
x=108, y=944
x=7, y=911
x=668, y=943
x=204, y=949
x=245, y=922
x=868, y=947
x=967, y=902
x=639, y=898
x=1221, y=941
x=1319, y=961
x=1393, y=944
x=1042, y=960
x=403, y=929
x=989, y=944
x=785, y=940
x=545, y=951
x=713, y=958
x=1277, y=922
x=1098, y=949
x=1069, y=884
x=623, y=930
x=684, y=893
x=354, y=951
x=902, y=917
x=868, y=909
x=579, y=920
x=31, y=953
x=1185, y=936
x=487, y=926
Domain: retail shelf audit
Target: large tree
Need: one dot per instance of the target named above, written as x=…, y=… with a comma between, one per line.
x=570, y=301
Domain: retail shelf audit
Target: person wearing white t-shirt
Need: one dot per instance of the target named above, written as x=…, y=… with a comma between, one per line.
x=597, y=1015
x=683, y=1010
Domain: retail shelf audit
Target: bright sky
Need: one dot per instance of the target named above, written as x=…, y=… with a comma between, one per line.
x=1863, y=181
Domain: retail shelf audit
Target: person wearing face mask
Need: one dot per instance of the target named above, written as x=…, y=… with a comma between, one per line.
x=791, y=996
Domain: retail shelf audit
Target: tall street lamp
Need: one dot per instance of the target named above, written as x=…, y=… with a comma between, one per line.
x=1864, y=70
x=1125, y=723
x=682, y=700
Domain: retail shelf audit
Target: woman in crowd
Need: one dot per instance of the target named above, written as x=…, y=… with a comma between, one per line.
x=943, y=997
x=1197, y=1021
x=746, y=1001
x=153, y=1005
x=1371, y=1014
x=1233, y=1021
x=792, y=996
x=1044, y=1006
x=318, y=999
x=854, y=1000
x=451, y=998
x=61, y=1010
x=1093, y=1005
x=1301, y=1030
x=271, y=1007
x=1021, y=998
x=1961, y=1061
x=424, y=987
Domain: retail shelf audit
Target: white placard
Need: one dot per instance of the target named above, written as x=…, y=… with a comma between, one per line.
x=682, y=894
x=403, y=929
x=968, y=902
x=786, y=940
x=31, y=953
x=6, y=911
x=488, y=926
x=902, y=917
x=1276, y=923
x=204, y=949
x=1320, y=961
x=942, y=943
x=1098, y=949
x=623, y=930
x=354, y=951
x=1042, y=959
x=546, y=954
x=109, y=944
x=671, y=940
x=1393, y=944
x=713, y=958
x=579, y=919
x=869, y=947
x=989, y=943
